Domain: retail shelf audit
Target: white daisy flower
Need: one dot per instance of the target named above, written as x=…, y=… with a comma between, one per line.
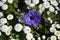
x=46, y=4
x=12, y=39
x=1, y=3
x=3, y=20
x=27, y=29
x=29, y=36
x=4, y=28
x=48, y=12
x=52, y=29
x=56, y=12
x=4, y=6
x=10, y=1
x=54, y=3
x=39, y=38
x=51, y=9
x=40, y=5
x=33, y=38
x=0, y=33
x=49, y=19
x=7, y=32
x=43, y=37
x=57, y=33
x=57, y=8
x=44, y=0
x=10, y=17
x=59, y=37
x=18, y=10
x=1, y=14
x=55, y=22
x=53, y=37
x=28, y=2
x=32, y=5
x=57, y=25
x=18, y=27
x=4, y=1
x=53, y=25
x=35, y=1
x=41, y=8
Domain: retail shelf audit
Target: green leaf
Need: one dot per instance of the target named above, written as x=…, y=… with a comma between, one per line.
x=15, y=5
x=9, y=9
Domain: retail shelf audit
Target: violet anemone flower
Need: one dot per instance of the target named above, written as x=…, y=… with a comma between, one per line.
x=32, y=18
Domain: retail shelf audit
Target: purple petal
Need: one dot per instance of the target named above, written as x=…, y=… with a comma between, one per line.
x=35, y=16
x=27, y=19
x=35, y=23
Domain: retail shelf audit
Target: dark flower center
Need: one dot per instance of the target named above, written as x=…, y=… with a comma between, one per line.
x=32, y=17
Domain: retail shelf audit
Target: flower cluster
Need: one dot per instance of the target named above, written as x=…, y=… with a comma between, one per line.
x=3, y=27
x=55, y=31
x=29, y=20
